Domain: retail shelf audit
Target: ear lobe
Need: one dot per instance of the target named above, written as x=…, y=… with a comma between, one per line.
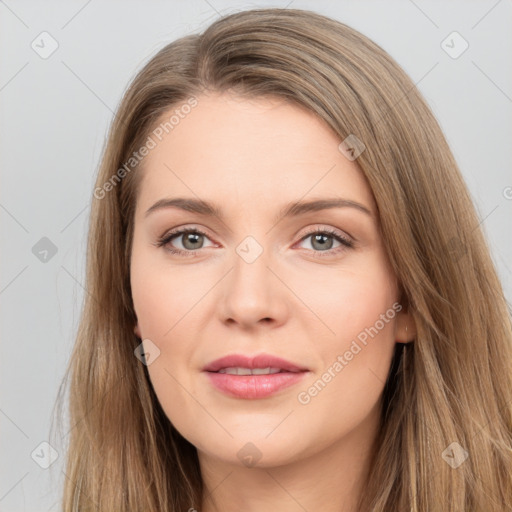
x=136, y=330
x=405, y=328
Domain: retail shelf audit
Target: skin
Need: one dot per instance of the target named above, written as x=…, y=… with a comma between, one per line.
x=252, y=157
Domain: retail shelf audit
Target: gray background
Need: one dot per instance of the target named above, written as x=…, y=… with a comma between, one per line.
x=55, y=113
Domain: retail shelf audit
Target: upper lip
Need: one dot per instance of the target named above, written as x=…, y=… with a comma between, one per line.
x=251, y=362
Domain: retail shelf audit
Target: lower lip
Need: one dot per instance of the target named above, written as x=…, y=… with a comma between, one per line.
x=254, y=386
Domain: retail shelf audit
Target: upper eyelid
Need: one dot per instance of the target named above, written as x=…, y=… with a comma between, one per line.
x=179, y=231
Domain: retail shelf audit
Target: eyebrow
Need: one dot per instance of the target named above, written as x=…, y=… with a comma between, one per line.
x=292, y=209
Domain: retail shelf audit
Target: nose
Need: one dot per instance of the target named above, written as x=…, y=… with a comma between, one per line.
x=253, y=294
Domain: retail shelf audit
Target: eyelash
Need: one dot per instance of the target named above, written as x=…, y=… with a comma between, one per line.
x=345, y=242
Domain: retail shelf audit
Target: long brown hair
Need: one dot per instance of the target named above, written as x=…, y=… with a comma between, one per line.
x=449, y=393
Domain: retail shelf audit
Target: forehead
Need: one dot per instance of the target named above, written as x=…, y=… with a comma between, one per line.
x=252, y=152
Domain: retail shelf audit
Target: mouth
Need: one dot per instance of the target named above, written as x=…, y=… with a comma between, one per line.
x=252, y=371
x=257, y=377
x=261, y=364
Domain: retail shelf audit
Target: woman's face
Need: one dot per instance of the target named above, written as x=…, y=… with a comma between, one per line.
x=313, y=287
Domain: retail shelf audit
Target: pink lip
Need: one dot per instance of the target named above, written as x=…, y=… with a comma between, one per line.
x=259, y=361
x=253, y=386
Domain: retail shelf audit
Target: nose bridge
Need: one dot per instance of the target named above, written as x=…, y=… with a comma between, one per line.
x=251, y=275
x=250, y=249
x=251, y=288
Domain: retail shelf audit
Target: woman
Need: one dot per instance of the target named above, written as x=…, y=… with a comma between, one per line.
x=290, y=303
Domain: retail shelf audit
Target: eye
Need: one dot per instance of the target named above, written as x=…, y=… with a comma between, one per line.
x=192, y=239
x=322, y=240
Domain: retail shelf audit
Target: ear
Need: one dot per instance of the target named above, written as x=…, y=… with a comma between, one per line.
x=405, y=327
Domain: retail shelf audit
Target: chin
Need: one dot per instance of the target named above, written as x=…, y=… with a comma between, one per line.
x=254, y=451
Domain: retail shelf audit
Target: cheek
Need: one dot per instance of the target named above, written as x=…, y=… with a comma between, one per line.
x=349, y=300
x=163, y=296
x=364, y=306
x=358, y=311
x=356, y=360
x=169, y=303
x=164, y=305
